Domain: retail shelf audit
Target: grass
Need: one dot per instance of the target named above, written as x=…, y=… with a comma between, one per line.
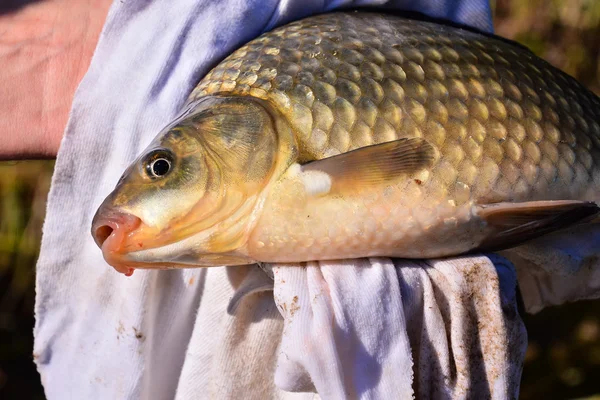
x=23, y=191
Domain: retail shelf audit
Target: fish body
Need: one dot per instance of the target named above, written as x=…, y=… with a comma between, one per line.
x=358, y=134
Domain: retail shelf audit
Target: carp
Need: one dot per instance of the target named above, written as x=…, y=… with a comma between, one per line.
x=359, y=134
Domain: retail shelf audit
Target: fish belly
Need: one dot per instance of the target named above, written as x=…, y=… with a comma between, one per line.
x=406, y=219
x=400, y=221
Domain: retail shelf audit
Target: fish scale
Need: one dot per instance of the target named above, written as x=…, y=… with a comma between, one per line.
x=506, y=123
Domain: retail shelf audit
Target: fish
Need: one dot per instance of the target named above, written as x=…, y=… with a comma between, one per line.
x=360, y=134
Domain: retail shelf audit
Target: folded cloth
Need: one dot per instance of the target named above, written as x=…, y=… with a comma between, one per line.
x=217, y=333
x=559, y=268
x=349, y=328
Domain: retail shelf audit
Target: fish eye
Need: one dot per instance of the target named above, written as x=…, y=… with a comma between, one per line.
x=158, y=164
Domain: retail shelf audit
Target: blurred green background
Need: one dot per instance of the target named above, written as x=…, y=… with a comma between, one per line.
x=563, y=359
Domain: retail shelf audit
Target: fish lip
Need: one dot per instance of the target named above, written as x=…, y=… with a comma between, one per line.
x=122, y=224
x=110, y=229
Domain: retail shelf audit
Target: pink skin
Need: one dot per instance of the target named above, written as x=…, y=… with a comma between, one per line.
x=111, y=229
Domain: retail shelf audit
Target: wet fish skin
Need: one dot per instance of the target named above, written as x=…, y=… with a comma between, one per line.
x=508, y=125
x=496, y=138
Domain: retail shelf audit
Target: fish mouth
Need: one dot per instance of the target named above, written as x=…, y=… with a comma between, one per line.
x=127, y=243
x=111, y=230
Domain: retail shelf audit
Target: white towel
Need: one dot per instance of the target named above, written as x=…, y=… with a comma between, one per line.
x=363, y=329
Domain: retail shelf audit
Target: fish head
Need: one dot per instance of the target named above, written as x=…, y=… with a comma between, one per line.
x=191, y=197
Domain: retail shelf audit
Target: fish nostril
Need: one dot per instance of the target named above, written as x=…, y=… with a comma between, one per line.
x=102, y=233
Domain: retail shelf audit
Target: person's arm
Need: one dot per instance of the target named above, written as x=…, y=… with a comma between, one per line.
x=45, y=49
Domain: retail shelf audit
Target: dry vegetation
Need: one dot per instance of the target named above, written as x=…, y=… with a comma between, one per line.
x=563, y=360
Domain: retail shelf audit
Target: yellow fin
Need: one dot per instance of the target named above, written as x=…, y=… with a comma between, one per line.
x=515, y=223
x=376, y=164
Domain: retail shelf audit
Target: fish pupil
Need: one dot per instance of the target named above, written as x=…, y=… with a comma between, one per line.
x=160, y=167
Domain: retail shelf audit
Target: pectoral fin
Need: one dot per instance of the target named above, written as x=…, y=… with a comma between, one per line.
x=514, y=223
x=376, y=164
